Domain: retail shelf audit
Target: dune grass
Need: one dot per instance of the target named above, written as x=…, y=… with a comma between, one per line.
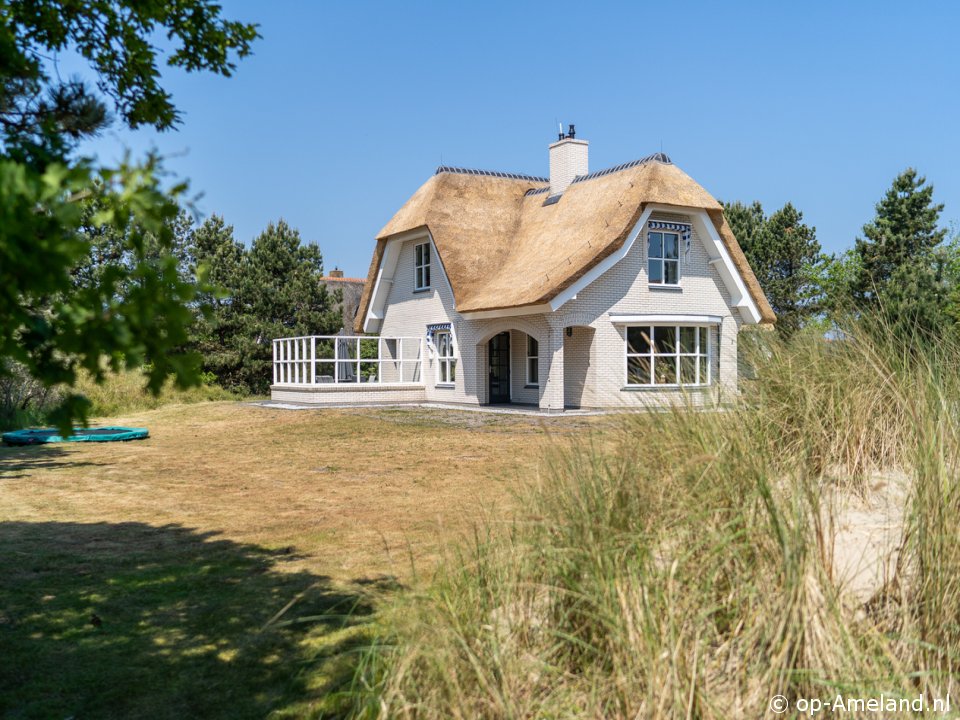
x=25, y=403
x=684, y=565
x=124, y=392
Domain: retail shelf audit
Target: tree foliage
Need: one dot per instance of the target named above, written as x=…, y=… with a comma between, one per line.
x=271, y=290
x=904, y=266
x=786, y=258
x=42, y=117
x=903, y=233
x=58, y=312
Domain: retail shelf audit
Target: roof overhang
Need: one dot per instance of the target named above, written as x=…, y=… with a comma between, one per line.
x=508, y=312
x=665, y=319
x=719, y=258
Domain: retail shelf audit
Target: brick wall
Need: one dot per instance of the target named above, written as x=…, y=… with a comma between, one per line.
x=357, y=394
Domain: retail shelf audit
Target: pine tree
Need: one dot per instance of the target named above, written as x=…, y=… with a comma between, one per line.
x=785, y=256
x=902, y=269
x=747, y=222
x=903, y=233
x=219, y=259
x=277, y=293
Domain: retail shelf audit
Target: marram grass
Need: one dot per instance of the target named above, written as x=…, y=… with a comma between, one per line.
x=682, y=566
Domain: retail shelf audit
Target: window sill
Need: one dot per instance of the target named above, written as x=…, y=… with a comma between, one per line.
x=422, y=290
x=531, y=387
x=661, y=388
x=445, y=385
x=665, y=288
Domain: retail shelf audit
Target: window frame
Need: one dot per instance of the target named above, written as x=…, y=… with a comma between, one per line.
x=421, y=269
x=446, y=364
x=676, y=355
x=536, y=358
x=662, y=259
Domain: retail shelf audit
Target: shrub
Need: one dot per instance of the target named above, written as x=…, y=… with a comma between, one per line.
x=23, y=400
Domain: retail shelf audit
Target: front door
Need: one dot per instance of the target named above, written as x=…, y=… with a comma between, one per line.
x=498, y=353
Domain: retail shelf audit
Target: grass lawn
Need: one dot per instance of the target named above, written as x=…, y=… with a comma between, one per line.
x=223, y=567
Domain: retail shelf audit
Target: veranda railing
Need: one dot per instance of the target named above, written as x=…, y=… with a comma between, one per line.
x=342, y=359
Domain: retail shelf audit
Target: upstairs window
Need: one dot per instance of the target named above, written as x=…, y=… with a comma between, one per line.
x=446, y=361
x=533, y=362
x=421, y=254
x=663, y=258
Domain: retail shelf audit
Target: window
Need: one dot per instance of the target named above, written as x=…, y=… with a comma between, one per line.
x=663, y=258
x=668, y=355
x=421, y=262
x=446, y=362
x=533, y=361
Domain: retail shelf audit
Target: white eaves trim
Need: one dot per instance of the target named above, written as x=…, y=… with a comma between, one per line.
x=385, y=274
x=507, y=312
x=601, y=267
x=666, y=319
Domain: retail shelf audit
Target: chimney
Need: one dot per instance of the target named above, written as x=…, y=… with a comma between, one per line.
x=568, y=158
x=336, y=273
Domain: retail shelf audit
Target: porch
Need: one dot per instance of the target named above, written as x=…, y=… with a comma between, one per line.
x=529, y=364
x=347, y=369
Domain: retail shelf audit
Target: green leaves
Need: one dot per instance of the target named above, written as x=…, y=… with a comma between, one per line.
x=92, y=273
x=786, y=258
x=127, y=312
x=271, y=290
x=117, y=38
x=903, y=265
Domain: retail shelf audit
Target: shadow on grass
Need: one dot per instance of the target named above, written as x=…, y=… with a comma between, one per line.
x=127, y=620
x=19, y=462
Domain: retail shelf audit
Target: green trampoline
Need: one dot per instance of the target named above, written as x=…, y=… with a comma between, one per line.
x=99, y=434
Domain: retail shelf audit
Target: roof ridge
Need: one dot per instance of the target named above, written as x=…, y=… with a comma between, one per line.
x=489, y=173
x=655, y=157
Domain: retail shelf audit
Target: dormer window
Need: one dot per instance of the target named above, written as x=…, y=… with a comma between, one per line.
x=421, y=280
x=663, y=258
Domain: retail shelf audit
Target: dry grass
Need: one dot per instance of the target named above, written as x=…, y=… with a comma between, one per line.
x=356, y=492
x=188, y=545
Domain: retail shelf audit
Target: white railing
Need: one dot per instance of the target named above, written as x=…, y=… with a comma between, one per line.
x=319, y=359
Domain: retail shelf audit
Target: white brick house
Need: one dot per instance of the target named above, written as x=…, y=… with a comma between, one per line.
x=622, y=287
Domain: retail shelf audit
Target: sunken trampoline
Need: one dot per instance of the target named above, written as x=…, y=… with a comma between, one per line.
x=99, y=434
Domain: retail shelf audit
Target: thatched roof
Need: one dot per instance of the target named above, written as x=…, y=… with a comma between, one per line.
x=503, y=247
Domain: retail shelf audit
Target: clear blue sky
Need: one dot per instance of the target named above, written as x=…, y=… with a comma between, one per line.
x=346, y=108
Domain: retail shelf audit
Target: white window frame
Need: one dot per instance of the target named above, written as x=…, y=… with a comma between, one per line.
x=446, y=364
x=675, y=356
x=421, y=269
x=663, y=260
x=536, y=358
